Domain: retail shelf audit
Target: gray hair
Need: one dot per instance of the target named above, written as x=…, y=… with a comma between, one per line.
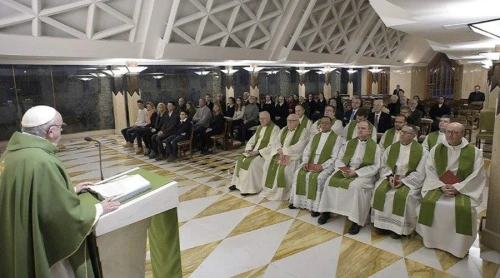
x=40, y=130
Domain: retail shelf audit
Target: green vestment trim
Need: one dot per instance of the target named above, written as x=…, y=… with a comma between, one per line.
x=432, y=139
x=338, y=180
x=243, y=161
x=389, y=137
x=313, y=177
x=463, y=208
x=275, y=167
x=350, y=129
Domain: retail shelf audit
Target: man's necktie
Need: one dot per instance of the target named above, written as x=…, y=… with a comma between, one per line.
x=376, y=121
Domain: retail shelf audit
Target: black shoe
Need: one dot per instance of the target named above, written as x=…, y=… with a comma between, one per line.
x=153, y=154
x=172, y=158
x=395, y=236
x=323, y=218
x=382, y=232
x=291, y=206
x=315, y=213
x=354, y=229
x=160, y=157
x=245, y=194
x=233, y=187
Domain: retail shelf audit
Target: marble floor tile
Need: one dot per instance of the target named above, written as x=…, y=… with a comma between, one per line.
x=427, y=257
x=417, y=270
x=225, y=203
x=200, y=191
x=397, y=269
x=258, y=218
x=189, y=209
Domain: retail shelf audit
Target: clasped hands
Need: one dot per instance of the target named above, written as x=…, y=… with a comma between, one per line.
x=349, y=173
x=395, y=182
x=252, y=153
x=449, y=190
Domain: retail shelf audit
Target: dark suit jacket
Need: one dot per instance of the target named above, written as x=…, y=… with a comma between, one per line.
x=269, y=108
x=217, y=123
x=394, y=108
x=153, y=119
x=282, y=112
x=384, y=121
x=170, y=123
x=473, y=96
x=230, y=111
x=210, y=105
x=160, y=120
x=312, y=107
x=184, y=127
x=347, y=117
x=415, y=117
x=438, y=112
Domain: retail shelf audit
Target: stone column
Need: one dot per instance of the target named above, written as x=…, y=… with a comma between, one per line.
x=302, y=85
x=327, y=87
x=254, y=84
x=119, y=110
x=133, y=95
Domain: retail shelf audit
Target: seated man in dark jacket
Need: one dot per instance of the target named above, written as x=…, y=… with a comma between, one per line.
x=182, y=133
x=167, y=129
x=216, y=127
x=437, y=110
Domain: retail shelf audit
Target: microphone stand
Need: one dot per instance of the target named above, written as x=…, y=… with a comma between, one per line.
x=100, y=157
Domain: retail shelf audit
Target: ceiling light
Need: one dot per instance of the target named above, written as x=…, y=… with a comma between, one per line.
x=98, y=74
x=85, y=78
x=302, y=71
x=375, y=70
x=202, y=72
x=157, y=77
x=472, y=57
x=490, y=28
x=491, y=55
x=253, y=69
x=229, y=71
x=135, y=70
x=116, y=72
x=351, y=71
x=327, y=70
x=271, y=71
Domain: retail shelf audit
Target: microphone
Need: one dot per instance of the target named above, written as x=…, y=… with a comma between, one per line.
x=88, y=139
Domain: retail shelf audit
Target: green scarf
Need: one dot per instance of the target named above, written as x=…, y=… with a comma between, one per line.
x=389, y=137
x=243, y=161
x=463, y=209
x=338, y=180
x=399, y=204
x=323, y=157
x=432, y=139
x=274, y=167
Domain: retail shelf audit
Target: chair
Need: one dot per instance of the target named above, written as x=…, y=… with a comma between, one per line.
x=425, y=126
x=186, y=145
x=223, y=136
x=486, y=127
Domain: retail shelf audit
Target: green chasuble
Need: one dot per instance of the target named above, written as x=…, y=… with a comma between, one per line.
x=274, y=166
x=432, y=139
x=399, y=204
x=303, y=123
x=352, y=126
x=243, y=161
x=463, y=209
x=338, y=180
x=323, y=157
x=43, y=221
x=389, y=137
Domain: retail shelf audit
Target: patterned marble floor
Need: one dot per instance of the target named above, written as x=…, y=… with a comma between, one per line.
x=225, y=235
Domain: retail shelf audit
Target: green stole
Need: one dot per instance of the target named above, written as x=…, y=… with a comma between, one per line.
x=352, y=126
x=338, y=180
x=432, y=139
x=401, y=194
x=326, y=152
x=275, y=167
x=303, y=123
x=463, y=209
x=243, y=161
x=389, y=137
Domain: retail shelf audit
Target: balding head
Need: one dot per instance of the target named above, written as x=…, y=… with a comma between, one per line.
x=264, y=118
x=292, y=121
x=454, y=134
x=378, y=105
x=364, y=130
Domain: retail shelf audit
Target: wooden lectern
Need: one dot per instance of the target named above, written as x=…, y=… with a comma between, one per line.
x=122, y=235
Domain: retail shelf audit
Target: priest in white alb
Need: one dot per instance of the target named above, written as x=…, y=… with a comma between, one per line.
x=282, y=159
x=304, y=121
x=398, y=191
x=348, y=191
x=437, y=137
x=247, y=176
x=452, y=190
x=317, y=164
x=337, y=124
x=392, y=135
x=351, y=129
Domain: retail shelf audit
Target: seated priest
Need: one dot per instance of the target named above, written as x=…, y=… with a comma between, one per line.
x=317, y=159
x=304, y=121
x=248, y=172
x=282, y=159
x=351, y=130
x=337, y=126
x=348, y=191
x=452, y=190
x=397, y=193
x=392, y=135
x=437, y=137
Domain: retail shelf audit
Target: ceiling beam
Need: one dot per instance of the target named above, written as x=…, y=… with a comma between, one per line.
x=364, y=35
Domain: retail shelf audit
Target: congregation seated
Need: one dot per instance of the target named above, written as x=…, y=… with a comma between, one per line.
x=319, y=107
x=437, y=110
x=143, y=131
x=215, y=127
x=268, y=105
x=397, y=193
x=182, y=133
x=248, y=171
x=438, y=136
x=304, y=121
x=249, y=119
x=350, y=115
x=282, y=159
x=348, y=191
x=130, y=133
x=351, y=130
x=317, y=164
x=337, y=127
x=170, y=122
x=413, y=116
x=280, y=112
x=191, y=110
x=380, y=120
x=155, y=128
x=201, y=120
x=394, y=106
x=230, y=108
x=452, y=189
x=393, y=135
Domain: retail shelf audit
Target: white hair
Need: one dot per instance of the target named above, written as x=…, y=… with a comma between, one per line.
x=40, y=130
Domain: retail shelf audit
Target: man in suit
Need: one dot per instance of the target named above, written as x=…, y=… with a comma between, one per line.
x=183, y=132
x=394, y=106
x=167, y=129
x=396, y=91
x=437, y=110
x=351, y=115
x=382, y=121
x=476, y=95
x=414, y=115
x=208, y=101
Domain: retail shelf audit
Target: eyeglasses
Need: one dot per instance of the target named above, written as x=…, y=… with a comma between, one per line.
x=406, y=132
x=453, y=132
x=291, y=120
x=61, y=126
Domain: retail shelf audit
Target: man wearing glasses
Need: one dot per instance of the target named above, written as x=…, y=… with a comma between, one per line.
x=44, y=225
x=453, y=187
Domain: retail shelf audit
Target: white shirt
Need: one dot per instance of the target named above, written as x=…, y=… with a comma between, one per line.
x=142, y=114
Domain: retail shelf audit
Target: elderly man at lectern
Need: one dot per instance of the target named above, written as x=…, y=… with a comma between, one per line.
x=44, y=226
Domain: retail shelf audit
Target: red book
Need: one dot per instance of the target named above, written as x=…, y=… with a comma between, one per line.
x=449, y=178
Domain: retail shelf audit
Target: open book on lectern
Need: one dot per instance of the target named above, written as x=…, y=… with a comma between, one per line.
x=122, y=188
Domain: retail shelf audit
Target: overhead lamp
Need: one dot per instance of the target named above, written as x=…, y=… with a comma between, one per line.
x=272, y=71
x=85, y=78
x=134, y=69
x=490, y=28
x=487, y=63
x=375, y=70
x=253, y=69
x=229, y=71
x=98, y=74
x=202, y=72
x=491, y=55
x=327, y=70
x=302, y=71
x=119, y=71
x=351, y=71
x=157, y=77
